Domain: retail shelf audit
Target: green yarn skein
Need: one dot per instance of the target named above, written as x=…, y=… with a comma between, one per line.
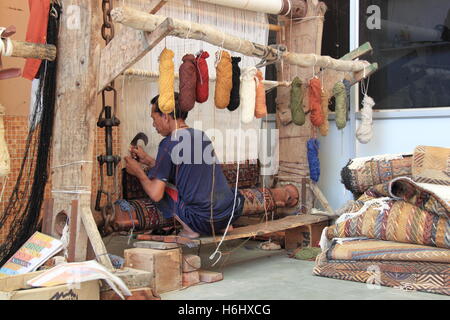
x=340, y=97
x=297, y=95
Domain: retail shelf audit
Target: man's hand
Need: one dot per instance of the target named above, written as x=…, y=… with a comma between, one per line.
x=140, y=155
x=133, y=167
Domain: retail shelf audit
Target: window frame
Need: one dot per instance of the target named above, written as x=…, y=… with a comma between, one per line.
x=399, y=113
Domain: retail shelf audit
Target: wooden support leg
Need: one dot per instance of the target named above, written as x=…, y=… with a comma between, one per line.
x=73, y=225
x=47, y=217
x=293, y=238
x=316, y=232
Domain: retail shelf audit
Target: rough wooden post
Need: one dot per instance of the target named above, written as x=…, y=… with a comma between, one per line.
x=75, y=120
x=304, y=37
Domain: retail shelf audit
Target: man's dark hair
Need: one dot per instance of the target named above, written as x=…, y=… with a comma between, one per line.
x=176, y=114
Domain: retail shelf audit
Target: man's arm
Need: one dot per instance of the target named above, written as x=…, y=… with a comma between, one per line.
x=154, y=188
x=142, y=156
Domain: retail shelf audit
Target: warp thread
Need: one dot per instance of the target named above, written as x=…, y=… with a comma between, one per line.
x=296, y=103
x=188, y=82
x=224, y=80
x=365, y=131
x=313, y=159
x=248, y=94
x=260, y=101
x=202, y=88
x=314, y=93
x=325, y=127
x=166, y=100
x=341, y=105
x=235, y=91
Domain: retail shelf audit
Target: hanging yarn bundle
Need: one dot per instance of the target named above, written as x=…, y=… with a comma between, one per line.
x=166, y=100
x=341, y=105
x=4, y=154
x=365, y=130
x=325, y=127
x=296, y=103
x=202, y=88
x=224, y=80
x=314, y=93
x=234, y=96
x=248, y=94
x=260, y=103
x=348, y=86
x=188, y=82
x=313, y=159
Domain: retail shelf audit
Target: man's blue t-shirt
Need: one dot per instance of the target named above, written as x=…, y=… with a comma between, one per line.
x=186, y=159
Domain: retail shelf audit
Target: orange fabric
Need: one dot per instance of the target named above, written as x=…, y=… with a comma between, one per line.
x=315, y=105
x=36, y=33
x=260, y=103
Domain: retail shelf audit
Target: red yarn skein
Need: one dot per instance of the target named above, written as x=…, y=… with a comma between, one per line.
x=202, y=77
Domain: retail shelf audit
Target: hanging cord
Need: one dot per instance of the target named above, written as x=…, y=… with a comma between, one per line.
x=217, y=251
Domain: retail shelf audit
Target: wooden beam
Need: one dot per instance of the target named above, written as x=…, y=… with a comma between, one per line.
x=23, y=49
x=75, y=123
x=363, y=49
x=290, y=222
x=158, y=6
x=322, y=199
x=126, y=48
x=144, y=21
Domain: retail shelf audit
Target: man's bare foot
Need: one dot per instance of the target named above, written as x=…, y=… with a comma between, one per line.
x=189, y=234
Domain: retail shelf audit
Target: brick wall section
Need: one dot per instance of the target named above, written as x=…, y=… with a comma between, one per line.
x=16, y=132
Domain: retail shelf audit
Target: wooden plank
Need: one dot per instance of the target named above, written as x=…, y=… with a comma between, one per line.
x=286, y=223
x=358, y=52
x=47, y=218
x=155, y=245
x=126, y=48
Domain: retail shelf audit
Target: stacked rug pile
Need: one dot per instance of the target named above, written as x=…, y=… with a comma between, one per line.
x=397, y=233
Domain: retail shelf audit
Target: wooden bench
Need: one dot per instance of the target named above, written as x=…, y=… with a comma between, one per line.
x=293, y=226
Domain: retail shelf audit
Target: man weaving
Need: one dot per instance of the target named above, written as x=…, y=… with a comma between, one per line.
x=185, y=160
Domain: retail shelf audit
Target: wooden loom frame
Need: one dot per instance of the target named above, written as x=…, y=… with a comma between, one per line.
x=84, y=69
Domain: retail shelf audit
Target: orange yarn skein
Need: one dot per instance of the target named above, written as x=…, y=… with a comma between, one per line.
x=224, y=81
x=260, y=102
x=315, y=90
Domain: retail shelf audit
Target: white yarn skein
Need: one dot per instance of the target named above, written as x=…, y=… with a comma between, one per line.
x=365, y=130
x=248, y=94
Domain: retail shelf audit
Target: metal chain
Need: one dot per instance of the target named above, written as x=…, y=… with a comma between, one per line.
x=107, y=26
x=107, y=121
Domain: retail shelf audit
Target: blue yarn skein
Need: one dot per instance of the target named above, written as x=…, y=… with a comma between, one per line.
x=313, y=159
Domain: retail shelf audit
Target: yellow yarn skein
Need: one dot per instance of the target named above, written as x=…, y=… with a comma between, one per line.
x=166, y=100
x=224, y=81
